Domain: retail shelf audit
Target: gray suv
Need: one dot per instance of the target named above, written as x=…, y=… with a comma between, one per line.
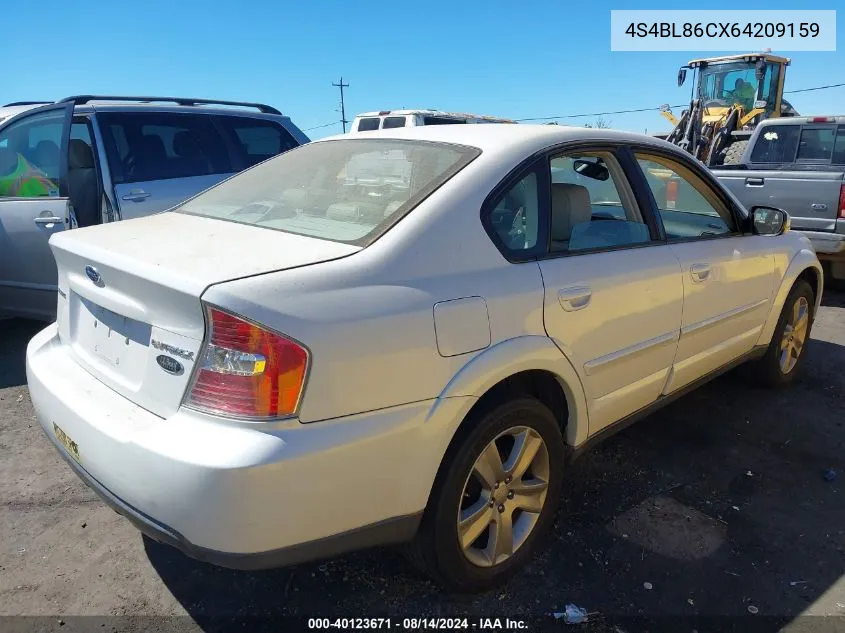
x=89, y=160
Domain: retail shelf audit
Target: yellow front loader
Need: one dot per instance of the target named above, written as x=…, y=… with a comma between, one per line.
x=731, y=95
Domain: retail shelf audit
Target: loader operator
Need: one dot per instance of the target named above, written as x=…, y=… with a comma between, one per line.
x=744, y=94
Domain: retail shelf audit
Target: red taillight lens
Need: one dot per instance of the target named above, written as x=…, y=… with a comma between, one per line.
x=247, y=371
x=841, y=214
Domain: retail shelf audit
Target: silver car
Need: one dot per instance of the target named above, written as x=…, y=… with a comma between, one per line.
x=91, y=159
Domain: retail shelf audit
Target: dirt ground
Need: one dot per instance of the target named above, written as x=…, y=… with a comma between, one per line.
x=714, y=510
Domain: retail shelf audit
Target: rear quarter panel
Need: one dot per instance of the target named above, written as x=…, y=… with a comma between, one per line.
x=368, y=319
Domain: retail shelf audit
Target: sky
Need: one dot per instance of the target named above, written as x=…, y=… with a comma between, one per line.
x=535, y=58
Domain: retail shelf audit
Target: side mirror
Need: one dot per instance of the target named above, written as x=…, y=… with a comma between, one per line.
x=682, y=76
x=769, y=221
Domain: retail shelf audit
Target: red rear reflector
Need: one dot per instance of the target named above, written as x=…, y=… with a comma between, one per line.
x=822, y=119
x=841, y=214
x=247, y=371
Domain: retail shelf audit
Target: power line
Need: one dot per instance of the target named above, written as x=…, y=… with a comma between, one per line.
x=578, y=116
x=317, y=127
x=683, y=105
x=816, y=88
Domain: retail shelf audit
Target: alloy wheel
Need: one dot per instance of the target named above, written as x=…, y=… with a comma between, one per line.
x=794, y=335
x=503, y=496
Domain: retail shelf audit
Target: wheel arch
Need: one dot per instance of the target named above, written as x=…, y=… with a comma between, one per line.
x=804, y=266
x=526, y=365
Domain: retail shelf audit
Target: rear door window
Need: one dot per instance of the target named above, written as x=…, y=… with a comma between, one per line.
x=145, y=146
x=776, y=144
x=816, y=144
x=255, y=140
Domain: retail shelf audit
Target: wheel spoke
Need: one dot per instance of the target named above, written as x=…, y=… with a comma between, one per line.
x=474, y=521
x=525, y=449
x=530, y=495
x=801, y=326
x=488, y=468
x=796, y=311
x=501, y=538
x=797, y=346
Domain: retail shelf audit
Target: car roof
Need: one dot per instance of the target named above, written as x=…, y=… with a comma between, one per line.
x=158, y=107
x=804, y=120
x=502, y=136
x=94, y=105
x=443, y=113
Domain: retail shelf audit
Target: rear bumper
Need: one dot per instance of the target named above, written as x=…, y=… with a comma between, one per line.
x=396, y=530
x=830, y=244
x=246, y=496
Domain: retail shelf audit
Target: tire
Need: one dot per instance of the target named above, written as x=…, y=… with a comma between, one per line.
x=436, y=548
x=770, y=370
x=732, y=154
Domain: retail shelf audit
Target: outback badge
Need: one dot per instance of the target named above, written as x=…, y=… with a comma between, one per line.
x=170, y=365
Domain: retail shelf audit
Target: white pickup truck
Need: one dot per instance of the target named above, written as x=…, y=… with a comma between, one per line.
x=798, y=164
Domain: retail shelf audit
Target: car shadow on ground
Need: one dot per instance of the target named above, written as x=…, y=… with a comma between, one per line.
x=14, y=337
x=724, y=503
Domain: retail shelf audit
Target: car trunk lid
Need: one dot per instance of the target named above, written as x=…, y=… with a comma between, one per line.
x=129, y=303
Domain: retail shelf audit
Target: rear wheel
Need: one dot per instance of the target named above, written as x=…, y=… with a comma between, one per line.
x=496, y=495
x=780, y=364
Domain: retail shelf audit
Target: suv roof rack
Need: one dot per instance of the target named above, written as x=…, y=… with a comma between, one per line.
x=26, y=103
x=185, y=101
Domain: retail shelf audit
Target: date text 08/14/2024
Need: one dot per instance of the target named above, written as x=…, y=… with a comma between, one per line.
x=723, y=29
x=417, y=624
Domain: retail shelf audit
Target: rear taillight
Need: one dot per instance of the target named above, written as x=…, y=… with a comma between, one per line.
x=247, y=371
x=841, y=214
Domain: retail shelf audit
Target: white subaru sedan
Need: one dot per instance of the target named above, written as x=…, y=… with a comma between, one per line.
x=404, y=338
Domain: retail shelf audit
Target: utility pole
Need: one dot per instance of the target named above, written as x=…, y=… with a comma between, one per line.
x=343, y=120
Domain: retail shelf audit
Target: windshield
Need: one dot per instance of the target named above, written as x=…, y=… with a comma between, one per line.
x=726, y=84
x=349, y=191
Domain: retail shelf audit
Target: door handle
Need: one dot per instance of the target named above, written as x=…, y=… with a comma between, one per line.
x=572, y=299
x=700, y=272
x=754, y=182
x=136, y=195
x=48, y=220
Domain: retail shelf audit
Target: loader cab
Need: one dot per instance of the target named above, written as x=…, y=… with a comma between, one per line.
x=753, y=81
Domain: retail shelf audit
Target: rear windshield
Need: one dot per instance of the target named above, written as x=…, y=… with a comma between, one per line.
x=346, y=190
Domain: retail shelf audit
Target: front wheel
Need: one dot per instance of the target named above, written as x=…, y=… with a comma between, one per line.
x=496, y=495
x=780, y=364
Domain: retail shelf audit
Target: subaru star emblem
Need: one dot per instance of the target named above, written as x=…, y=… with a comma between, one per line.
x=93, y=275
x=168, y=364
